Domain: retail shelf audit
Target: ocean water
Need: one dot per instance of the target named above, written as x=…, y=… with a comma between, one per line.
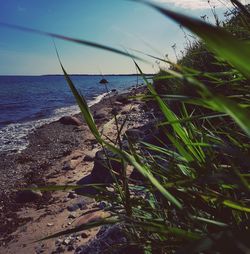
x=28, y=102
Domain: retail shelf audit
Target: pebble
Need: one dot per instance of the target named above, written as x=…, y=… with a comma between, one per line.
x=84, y=235
x=67, y=241
x=88, y=158
x=70, y=248
x=80, y=205
x=72, y=216
x=59, y=241
x=72, y=195
x=50, y=224
x=102, y=205
x=60, y=249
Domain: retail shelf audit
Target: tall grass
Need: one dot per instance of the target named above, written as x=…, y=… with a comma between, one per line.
x=195, y=194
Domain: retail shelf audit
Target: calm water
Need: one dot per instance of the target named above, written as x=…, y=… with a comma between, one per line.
x=27, y=102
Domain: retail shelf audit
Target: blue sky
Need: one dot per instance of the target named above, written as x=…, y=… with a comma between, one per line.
x=117, y=23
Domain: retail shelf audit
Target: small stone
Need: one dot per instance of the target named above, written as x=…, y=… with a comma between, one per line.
x=70, y=248
x=84, y=235
x=88, y=158
x=70, y=165
x=72, y=195
x=123, y=98
x=73, y=208
x=67, y=241
x=99, y=116
x=82, y=205
x=50, y=224
x=65, y=200
x=60, y=249
x=102, y=205
x=117, y=103
x=39, y=249
x=70, y=120
x=59, y=241
x=72, y=216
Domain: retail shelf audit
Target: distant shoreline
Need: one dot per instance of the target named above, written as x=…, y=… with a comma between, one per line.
x=59, y=75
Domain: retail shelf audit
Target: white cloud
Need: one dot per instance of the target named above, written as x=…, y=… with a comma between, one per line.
x=195, y=4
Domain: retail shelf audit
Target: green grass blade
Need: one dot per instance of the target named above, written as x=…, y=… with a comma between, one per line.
x=83, y=105
x=146, y=173
x=236, y=206
x=108, y=221
x=70, y=39
x=236, y=52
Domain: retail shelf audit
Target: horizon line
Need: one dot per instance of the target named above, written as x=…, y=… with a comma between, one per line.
x=74, y=74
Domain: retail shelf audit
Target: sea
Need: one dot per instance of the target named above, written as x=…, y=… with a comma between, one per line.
x=28, y=102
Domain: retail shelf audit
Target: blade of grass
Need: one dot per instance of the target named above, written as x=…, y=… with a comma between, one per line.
x=66, y=38
x=236, y=52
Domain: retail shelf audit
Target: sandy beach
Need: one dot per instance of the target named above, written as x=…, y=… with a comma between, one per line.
x=58, y=154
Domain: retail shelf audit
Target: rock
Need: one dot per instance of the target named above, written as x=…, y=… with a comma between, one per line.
x=102, y=205
x=70, y=165
x=60, y=249
x=70, y=120
x=65, y=200
x=39, y=249
x=84, y=235
x=25, y=196
x=67, y=241
x=99, y=116
x=72, y=215
x=50, y=224
x=70, y=248
x=109, y=236
x=72, y=195
x=122, y=98
x=92, y=217
x=117, y=103
x=88, y=158
x=73, y=208
x=134, y=135
x=80, y=205
x=59, y=241
x=103, y=81
x=101, y=172
x=113, y=90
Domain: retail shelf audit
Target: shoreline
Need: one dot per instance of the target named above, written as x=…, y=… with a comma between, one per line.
x=42, y=162
x=25, y=128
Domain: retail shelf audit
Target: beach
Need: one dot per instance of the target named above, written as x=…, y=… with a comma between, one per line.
x=58, y=154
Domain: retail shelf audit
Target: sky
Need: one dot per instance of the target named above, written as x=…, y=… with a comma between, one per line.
x=117, y=23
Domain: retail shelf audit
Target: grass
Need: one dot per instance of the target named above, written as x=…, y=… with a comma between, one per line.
x=195, y=194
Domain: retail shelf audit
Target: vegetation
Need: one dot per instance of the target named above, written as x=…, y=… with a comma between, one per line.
x=194, y=197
